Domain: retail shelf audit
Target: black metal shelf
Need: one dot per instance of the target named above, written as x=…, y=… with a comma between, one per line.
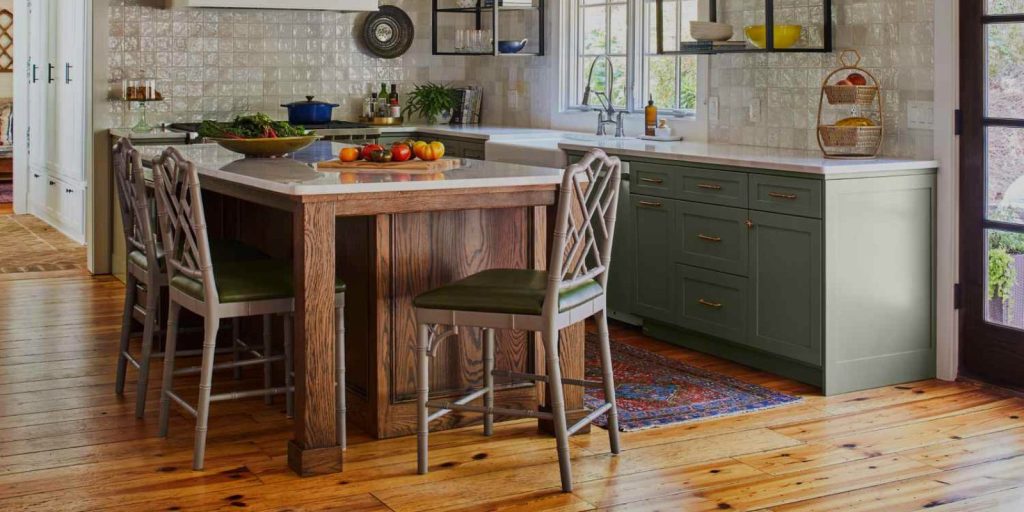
x=492, y=11
x=769, y=22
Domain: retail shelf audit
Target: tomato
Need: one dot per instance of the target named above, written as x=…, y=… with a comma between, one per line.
x=400, y=153
x=369, y=148
x=380, y=155
x=417, y=148
x=432, y=151
x=349, y=154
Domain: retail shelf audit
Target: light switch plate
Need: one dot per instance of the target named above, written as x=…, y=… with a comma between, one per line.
x=713, y=108
x=755, y=110
x=920, y=115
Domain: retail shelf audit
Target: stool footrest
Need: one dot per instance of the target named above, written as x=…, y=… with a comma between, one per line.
x=227, y=366
x=589, y=418
x=235, y=395
x=181, y=402
x=500, y=411
x=507, y=374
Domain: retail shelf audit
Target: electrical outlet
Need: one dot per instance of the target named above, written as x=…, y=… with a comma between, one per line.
x=920, y=115
x=755, y=110
x=713, y=108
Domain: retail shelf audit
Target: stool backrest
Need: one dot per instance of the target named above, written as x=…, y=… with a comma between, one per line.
x=136, y=216
x=183, y=221
x=584, y=225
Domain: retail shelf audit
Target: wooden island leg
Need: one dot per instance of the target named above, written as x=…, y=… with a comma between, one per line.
x=314, y=449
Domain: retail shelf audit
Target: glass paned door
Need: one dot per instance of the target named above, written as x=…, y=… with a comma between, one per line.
x=992, y=189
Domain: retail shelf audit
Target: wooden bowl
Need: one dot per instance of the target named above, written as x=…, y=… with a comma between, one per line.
x=268, y=147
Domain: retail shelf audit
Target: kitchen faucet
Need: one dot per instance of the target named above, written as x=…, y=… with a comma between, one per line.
x=605, y=99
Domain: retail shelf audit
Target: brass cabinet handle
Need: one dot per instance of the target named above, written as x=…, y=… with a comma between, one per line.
x=708, y=238
x=656, y=181
x=749, y=223
x=780, y=195
x=713, y=305
x=708, y=186
x=650, y=204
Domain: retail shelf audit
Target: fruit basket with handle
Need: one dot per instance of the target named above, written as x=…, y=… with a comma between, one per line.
x=855, y=93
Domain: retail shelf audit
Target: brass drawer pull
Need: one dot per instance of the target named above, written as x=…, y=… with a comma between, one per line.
x=709, y=238
x=780, y=195
x=713, y=305
x=707, y=186
x=650, y=204
x=656, y=181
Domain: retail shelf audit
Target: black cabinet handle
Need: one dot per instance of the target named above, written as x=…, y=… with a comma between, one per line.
x=67, y=72
x=49, y=73
x=35, y=175
x=35, y=70
x=52, y=183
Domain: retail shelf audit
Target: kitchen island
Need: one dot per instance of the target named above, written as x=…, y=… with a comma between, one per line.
x=389, y=236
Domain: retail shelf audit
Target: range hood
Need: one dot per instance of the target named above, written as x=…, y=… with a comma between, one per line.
x=295, y=5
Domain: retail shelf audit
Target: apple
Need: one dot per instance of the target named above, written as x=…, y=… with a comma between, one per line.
x=844, y=82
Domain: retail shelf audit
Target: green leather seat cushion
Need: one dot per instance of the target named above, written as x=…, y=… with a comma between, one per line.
x=507, y=291
x=246, y=281
x=222, y=250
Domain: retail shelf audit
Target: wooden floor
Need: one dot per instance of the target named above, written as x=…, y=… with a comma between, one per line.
x=67, y=443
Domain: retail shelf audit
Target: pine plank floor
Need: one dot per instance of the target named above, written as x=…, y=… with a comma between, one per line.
x=67, y=443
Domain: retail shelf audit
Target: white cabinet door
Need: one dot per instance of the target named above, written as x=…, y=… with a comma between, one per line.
x=37, y=191
x=69, y=124
x=39, y=57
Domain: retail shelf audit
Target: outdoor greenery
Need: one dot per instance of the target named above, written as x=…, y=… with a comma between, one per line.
x=1002, y=269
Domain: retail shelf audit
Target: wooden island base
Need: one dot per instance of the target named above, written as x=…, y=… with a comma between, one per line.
x=386, y=260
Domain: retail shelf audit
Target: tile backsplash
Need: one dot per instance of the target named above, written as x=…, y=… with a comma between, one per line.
x=215, y=63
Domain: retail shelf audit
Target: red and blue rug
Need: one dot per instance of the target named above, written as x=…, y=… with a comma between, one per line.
x=653, y=391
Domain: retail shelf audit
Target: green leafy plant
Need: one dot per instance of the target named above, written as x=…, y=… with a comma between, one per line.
x=430, y=101
x=1002, y=275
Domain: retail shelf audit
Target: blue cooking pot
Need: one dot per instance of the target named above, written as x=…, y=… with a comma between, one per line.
x=309, y=112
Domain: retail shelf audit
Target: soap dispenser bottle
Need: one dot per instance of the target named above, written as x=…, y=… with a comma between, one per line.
x=650, y=118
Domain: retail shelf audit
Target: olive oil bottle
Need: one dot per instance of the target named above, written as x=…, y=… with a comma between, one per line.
x=650, y=118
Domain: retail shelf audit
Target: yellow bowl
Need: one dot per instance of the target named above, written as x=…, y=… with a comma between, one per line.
x=785, y=35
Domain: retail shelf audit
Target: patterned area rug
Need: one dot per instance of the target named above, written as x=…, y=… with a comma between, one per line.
x=653, y=391
x=28, y=244
x=6, y=192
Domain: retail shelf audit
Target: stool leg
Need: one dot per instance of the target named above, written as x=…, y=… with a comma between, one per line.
x=339, y=351
x=126, y=332
x=148, y=330
x=608, y=376
x=236, y=351
x=289, y=367
x=173, y=313
x=489, y=380
x=558, y=407
x=268, y=367
x=210, y=328
x=423, y=392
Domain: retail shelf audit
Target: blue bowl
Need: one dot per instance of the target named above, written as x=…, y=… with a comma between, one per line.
x=511, y=46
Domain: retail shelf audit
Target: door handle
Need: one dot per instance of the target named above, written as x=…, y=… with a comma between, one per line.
x=35, y=69
x=709, y=238
x=67, y=72
x=780, y=195
x=708, y=186
x=650, y=204
x=49, y=73
x=656, y=181
x=52, y=183
x=712, y=305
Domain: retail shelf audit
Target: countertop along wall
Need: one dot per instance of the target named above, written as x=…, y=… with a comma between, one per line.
x=215, y=63
x=894, y=36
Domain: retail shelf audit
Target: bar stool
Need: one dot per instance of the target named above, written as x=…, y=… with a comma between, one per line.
x=145, y=265
x=572, y=290
x=214, y=292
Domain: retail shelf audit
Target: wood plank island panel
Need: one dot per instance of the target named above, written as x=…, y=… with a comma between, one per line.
x=386, y=260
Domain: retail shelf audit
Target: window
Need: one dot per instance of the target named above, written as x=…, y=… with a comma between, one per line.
x=625, y=32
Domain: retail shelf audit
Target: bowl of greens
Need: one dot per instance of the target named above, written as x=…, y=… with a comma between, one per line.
x=257, y=136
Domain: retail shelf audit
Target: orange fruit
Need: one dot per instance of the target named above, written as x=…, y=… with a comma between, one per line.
x=349, y=154
x=855, y=121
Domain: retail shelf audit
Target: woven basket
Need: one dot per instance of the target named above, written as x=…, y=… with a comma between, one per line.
x=851, y=94
x=853, y=140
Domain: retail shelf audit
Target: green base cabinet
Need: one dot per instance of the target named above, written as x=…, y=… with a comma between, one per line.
x=827, y=280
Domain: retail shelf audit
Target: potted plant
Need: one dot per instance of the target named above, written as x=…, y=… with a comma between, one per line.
x=432, y=102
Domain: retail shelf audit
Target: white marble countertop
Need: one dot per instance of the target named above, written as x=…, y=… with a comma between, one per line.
x=297, y=175
x=755, y=157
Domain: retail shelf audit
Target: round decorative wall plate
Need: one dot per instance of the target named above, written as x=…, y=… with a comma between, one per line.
x=388, y=32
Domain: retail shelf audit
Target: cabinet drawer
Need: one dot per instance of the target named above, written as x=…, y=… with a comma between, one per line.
x=716, y=187
x=652, y=179
x=711, y=302
x=652, y=245
x=794, y=196
x=711, y=237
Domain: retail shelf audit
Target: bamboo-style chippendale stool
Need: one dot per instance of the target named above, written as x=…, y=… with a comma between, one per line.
x=145, y=265
x=572, y=290
x=233, y=290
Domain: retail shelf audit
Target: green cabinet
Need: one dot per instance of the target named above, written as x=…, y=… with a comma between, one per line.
x=711, y=237
x=786, y=294
x=653, y=226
